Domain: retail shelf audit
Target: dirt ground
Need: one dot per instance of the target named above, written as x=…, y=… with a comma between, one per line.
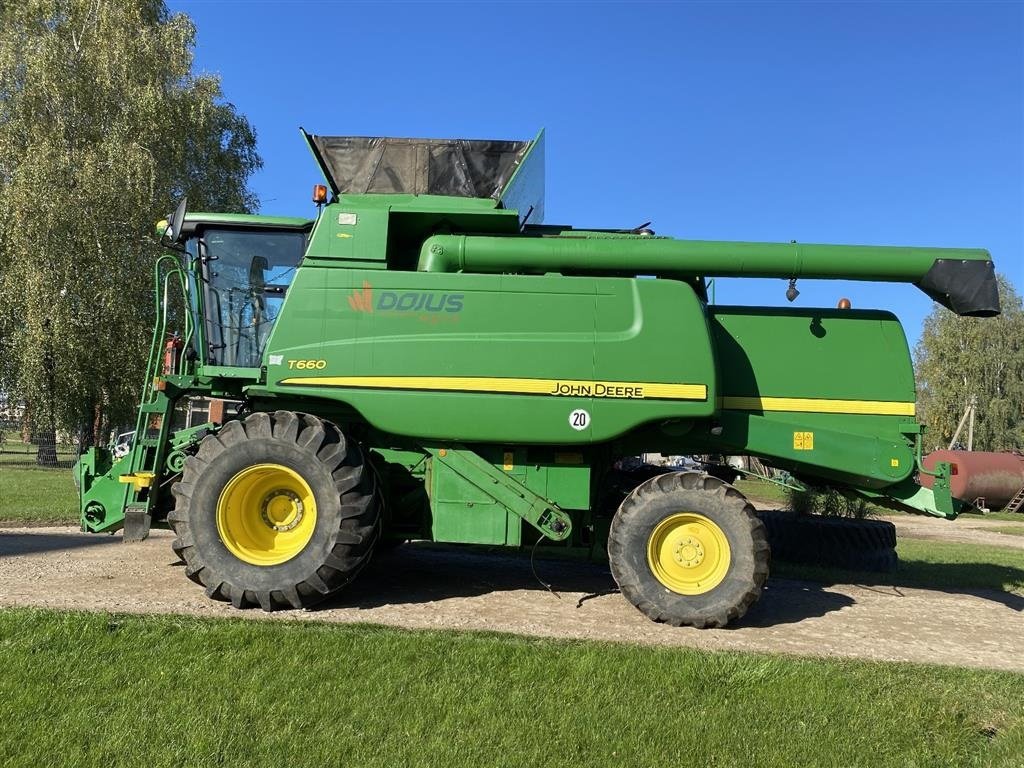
x=430, y=586
x=966, y=529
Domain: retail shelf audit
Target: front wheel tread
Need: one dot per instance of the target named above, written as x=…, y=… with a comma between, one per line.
x=347, y=495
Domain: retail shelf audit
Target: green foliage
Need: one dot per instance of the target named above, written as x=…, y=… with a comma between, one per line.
x=961, y=357
x=828, y=502
x=102, y=126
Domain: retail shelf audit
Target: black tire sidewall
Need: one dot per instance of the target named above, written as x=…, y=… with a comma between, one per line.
x=211, y=483
x=854, y=544
x=633, y=531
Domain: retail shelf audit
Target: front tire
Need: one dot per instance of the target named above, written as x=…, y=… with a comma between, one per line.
x=686, y=548
x=277, y=511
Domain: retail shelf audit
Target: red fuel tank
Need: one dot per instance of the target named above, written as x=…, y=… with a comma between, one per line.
x=995, y=477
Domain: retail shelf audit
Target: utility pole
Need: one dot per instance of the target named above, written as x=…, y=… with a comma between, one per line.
x=968, y=418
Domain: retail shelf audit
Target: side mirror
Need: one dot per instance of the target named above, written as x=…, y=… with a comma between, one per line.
x=172, y=235
x=257, y=267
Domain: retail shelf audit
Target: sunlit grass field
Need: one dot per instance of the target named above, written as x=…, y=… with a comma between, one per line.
x=36, y=494
x=108, y=690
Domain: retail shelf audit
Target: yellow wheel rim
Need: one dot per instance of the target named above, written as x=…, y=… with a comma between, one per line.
x=266, y=514
x=688, y=553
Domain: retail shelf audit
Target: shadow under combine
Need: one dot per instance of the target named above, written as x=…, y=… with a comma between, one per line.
x=790, y=602
x=424, y=572
x=419, y=573
x=14, y=544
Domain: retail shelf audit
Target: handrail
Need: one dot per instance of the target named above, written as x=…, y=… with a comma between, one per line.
x=161, y=295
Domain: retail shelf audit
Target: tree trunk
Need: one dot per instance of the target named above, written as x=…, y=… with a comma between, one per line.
x=46, y=451
x=96, y=435
x=26, y=424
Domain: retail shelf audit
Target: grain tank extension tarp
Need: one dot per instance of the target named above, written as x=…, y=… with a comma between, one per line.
x=454, y=167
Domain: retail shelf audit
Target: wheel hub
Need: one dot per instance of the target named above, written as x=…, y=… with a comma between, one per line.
x=282, y=510
x=266, y=514
x=688, y=553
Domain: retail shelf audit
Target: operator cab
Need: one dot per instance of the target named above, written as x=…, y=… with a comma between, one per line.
x=247, y=263
x=248, y=272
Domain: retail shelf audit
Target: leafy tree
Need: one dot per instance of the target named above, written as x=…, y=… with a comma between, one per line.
x=102, y=126
x=961, y=357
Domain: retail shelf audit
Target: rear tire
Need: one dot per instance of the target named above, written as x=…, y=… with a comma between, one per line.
x=277, y=511
x=686, y=548
x=837, y=542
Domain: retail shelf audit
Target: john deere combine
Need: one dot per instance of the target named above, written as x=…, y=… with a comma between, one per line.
x=427, y=360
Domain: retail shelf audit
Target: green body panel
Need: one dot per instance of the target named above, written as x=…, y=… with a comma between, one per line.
x=463, y=513
x=448, y=499
x=512, y=327
x=843, y=360
x=102, y=497
x=473, y=501
x=908, y=495
x=386, y=231
x=812, y=353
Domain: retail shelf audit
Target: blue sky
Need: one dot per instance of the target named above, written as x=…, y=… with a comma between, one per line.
x=875, y=123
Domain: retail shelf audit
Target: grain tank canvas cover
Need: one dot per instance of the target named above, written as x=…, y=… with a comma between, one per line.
x=452, y=167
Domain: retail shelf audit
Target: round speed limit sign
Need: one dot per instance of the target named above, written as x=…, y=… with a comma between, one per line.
x=579, y=419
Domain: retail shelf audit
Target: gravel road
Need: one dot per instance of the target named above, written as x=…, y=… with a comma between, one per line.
x=431, y=586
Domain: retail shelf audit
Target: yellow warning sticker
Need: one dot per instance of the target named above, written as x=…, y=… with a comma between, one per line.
x=508, y=463
x=895, y=463
x=803, y=441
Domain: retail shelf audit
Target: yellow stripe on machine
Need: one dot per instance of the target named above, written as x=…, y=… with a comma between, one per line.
x=815, y=405
x=554, y=387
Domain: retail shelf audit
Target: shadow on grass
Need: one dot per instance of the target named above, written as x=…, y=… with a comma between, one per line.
x=13, y=544
x=420, y=573
x=983, y=580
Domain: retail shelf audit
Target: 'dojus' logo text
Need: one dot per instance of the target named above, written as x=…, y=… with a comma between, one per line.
x=363, y=300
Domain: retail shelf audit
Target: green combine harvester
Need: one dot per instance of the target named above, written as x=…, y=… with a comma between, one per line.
x=428, y=360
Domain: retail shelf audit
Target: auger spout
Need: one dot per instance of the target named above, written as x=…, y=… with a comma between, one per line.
x=961, y=279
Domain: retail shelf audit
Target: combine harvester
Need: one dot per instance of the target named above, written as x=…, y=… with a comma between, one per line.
x=427, y=360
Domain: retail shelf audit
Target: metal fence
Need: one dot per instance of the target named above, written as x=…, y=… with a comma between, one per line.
x=23, y=445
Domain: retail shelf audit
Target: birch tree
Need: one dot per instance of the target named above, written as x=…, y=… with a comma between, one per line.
x=102, y=126
x=959, y=358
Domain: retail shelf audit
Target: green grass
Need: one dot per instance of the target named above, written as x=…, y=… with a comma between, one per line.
x=37, y=495
x=929, y=564
x=759, y=490
x=107, y=690
x=1013, y=517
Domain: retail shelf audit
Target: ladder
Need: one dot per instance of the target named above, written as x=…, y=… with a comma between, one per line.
x=1017, y=502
